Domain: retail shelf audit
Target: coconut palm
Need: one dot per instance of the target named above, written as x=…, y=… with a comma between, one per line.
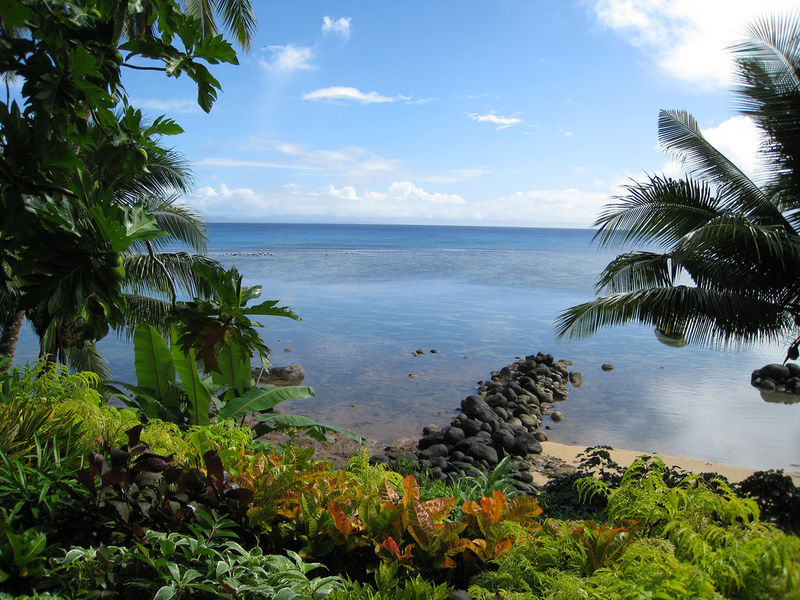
x=721, y=253
x=237, y=16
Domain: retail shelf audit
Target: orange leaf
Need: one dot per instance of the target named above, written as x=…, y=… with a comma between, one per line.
x=410, y=489
x=340, y=519
x=439, y=508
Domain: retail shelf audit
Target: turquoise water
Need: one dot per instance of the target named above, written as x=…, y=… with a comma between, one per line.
x=371, y=295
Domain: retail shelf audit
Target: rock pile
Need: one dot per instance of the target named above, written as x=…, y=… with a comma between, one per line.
x=504, y=418
x=777, y=378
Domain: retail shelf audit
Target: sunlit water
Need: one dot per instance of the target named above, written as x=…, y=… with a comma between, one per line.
x=370, y=296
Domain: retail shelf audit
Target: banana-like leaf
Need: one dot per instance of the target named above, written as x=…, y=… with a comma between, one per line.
x=260, y=399
x=154, y=367
x=316, y=430
x=199, y=397
x=234, y=364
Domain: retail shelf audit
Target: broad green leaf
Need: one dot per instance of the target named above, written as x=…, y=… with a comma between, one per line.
x=141, y=226
x=261, y=399
x=234, y=364
x=15, y=14
x=280, y=420
x=165, y=593
x=199, y=396
x=268, y=308
x=154, y=366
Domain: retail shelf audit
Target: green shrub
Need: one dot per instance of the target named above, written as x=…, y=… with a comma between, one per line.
x=205, y=562
x=777, y=497
x=388, y=586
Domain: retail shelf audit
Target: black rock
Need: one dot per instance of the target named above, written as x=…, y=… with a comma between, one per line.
x=440, y=462
x=465, y=444
x=776, y=372
x=453, y=435
x=482, y=452
x=497, y=400
x=476, y=407
x=434, y=451
x=509, y=393
x=470, y=427
x=513, y=385
x=428, y=429
x=436, y=437
x=456, y=455
x=525, y=444
x=501, y=412
x=794, y=369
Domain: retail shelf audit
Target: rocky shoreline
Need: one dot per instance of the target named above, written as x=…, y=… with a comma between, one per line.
x=503, y=419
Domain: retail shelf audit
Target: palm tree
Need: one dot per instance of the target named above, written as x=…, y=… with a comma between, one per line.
x=721, y=263
x=238, y=17
x=153, y=276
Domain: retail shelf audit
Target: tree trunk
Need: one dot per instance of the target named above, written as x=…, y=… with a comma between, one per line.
x=10, y=337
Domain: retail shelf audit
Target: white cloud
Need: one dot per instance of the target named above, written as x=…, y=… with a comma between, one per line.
x=346, y=94
x=403, y=201
x=351, y=163
x=740, y=139
x=688, y=39
x=491, y=117
x=177, y=105
x=289, y=58
x=340, y=26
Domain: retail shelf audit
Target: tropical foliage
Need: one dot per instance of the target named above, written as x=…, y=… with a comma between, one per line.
x=209, y=513
x=722, y=251
x=76, y=159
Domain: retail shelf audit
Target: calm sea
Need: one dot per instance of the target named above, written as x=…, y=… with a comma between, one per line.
x=370, y=295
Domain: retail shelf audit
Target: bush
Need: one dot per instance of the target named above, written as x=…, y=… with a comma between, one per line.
x=777, y=497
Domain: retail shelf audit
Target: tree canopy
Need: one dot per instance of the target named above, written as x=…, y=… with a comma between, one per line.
x=70, y=142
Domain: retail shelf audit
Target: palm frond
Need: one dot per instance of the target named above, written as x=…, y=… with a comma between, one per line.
x=167, y=172
x=240, y=19
x=773, y=41
x=203, y=11
x=637, y=270
x=178, y=220
x=769, y=92
x=659, y=211
x=705, y=317
x=144, y=276
x=88, y=358
x=680, y=136
x=145, y=310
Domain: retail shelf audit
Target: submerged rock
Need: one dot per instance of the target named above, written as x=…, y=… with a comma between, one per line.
x=291, y=375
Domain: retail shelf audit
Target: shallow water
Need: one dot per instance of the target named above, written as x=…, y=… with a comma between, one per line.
x=370, y=296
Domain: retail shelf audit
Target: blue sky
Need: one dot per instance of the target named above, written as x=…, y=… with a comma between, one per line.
x=492, y=112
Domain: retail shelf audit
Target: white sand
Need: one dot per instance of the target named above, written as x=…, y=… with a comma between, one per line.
x=569, y=453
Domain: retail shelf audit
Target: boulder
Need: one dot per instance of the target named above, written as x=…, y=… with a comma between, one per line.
x=576, y=379
x=291, y=375
x=482, y=452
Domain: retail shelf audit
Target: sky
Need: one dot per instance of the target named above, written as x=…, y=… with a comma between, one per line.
x=527, y=113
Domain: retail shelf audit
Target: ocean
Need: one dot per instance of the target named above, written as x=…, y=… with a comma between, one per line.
x=371, y=295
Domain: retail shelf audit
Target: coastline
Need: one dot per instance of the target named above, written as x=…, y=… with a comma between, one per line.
x=340, y=449
x=569, y=452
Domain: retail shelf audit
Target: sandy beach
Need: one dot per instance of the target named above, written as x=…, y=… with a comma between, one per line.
x=569, y=453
